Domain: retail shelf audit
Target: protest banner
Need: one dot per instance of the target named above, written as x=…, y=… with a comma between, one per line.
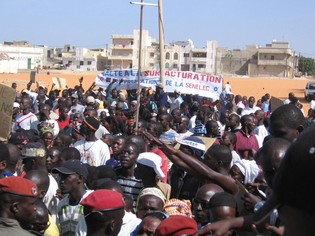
x=7, y=97
x=186, y=82
x=59, y=82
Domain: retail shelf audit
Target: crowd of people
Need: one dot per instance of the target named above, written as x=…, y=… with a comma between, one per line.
x=98, y=162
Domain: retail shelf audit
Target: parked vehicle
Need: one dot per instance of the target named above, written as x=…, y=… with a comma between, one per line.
x=309, y=90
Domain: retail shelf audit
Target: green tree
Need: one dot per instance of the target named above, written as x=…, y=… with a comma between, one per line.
x=307, y=65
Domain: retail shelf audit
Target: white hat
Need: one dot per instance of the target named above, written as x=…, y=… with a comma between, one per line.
x=152, y=160
x=16, y=105
x=98, y=101
x=177, y=91
x=90, y=99
x=159, y=85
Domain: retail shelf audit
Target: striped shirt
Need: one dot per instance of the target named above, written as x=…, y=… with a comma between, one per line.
x=131, y=187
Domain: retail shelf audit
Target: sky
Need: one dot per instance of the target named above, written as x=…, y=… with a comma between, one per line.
x=233, y=23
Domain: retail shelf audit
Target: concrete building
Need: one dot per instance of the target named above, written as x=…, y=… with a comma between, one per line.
x=84, y=59
x=179, y=55
x=275, y=59
x=25, y=55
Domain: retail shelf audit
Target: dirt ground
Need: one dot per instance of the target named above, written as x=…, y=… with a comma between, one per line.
x=257, y=87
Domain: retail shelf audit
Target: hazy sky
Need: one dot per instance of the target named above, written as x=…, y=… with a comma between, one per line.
x=233, y=23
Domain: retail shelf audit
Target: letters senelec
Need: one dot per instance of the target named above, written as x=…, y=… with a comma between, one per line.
x=185, y=81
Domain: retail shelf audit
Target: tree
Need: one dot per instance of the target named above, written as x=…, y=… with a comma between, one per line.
x=307, y=65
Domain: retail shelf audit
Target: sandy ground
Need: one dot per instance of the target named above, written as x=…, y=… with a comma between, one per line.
x=257, y=87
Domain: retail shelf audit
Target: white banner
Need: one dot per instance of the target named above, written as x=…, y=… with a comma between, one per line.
x=186, y=82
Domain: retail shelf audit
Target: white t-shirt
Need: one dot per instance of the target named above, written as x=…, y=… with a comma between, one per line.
x=25, y=121
x=247, y=110
x=71, y=219
x=94, y=153
x=50, y=199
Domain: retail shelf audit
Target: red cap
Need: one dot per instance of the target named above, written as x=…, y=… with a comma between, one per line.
x=176, y=225
x=18, y=186
x=103, y=200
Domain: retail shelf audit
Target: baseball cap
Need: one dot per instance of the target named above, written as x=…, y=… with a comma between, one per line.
x=90, y=100
x=16, y=105
x=103, y=200
x=72, y=167
x=74, y=95
x=18, y=186
x=34, y=150
x=159, y=85
x=152, y=160
x=177, y=91
x=293, y=181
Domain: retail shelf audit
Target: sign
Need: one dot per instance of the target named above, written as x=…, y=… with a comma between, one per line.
x=59, y=82
x=32, y=76
x=7, y=97
x=186, y=82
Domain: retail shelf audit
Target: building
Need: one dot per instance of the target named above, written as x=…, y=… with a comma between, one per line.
x=275, y=59
x=179, y=55
x=23, y=55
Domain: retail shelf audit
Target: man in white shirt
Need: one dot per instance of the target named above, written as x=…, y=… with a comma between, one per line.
x=177, y=101
x=93, y=151
x=27, y=119
x=250, y=108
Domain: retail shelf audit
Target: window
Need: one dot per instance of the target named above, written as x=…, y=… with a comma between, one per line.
x=151, y=64
x=201, y=66
x=69, y=62
x=167, y=56
x=167, y=65
x=89, y=63
x=151, y=54
x=175, y=56
x=272, y=57
x=186, y=54
x=81, y=63
x=175, y=66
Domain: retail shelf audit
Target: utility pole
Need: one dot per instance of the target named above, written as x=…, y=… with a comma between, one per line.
x=161, y=42
x=142, y=4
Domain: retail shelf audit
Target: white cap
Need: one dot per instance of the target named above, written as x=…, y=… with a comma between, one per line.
x=159, y=85
x=177, y=91
x=152, y=160
x=90, y=99
x=16, y=105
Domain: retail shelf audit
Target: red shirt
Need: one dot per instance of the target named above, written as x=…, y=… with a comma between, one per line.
x=245, y=142
x=64, y=123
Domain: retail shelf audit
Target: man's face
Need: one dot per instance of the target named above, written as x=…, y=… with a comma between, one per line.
x=182, y=125
x=251, y=124
x=117, y=145
x=211, y=162
x=225, y=141
x=164, y=121
x=148, y=204
x=128, y=156
x=279, y=129
x=148, y=226
x=26, y=210
x=200, y=208
x=251, y=102
x=68, y=182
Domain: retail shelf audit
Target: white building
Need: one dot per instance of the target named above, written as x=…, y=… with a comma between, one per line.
x=179, y=55
x=24, y=55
